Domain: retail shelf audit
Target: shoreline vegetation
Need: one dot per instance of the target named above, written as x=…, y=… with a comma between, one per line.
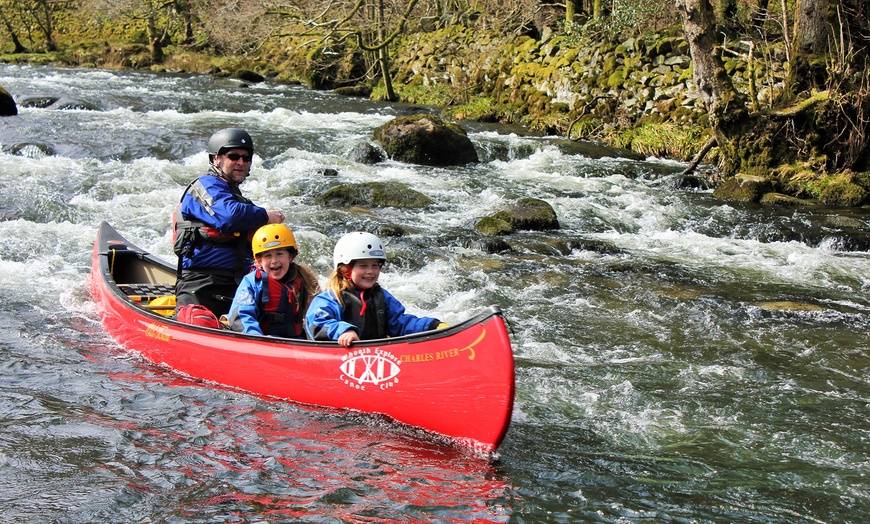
x=774, y=121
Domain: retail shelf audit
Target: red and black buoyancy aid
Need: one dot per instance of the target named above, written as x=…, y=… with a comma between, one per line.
x=281, y=306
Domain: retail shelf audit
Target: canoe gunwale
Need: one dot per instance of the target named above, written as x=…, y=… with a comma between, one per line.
x=104, y=251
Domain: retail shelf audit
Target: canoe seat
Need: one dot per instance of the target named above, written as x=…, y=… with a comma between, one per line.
x=147, y=291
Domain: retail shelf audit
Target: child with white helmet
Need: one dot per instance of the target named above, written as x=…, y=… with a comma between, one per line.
x=273, y=297
x=354, y=306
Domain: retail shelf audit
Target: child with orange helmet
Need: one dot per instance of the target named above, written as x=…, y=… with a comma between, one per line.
x=273, y=297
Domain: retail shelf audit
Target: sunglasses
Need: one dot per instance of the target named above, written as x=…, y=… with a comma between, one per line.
x=235, y=157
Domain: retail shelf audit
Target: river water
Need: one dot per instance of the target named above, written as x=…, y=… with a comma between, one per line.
x=679, y=359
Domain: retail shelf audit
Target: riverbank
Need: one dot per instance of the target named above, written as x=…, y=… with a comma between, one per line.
x=636, y=93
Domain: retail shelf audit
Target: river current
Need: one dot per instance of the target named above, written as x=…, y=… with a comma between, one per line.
x=679, y=358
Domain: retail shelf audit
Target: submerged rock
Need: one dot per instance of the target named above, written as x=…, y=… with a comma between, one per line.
x=366, y=153
x=74, y=103
x=374, y=194
x=31, y=150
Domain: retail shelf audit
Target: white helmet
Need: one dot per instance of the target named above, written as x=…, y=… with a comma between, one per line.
x=357, y=245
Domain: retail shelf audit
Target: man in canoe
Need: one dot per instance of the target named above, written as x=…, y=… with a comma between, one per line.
x=213, y=225
x=354, y=306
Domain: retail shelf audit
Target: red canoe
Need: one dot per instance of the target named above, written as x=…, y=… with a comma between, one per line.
x=456, y=382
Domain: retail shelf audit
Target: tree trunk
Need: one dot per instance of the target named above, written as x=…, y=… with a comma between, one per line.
x=809, y=42
x=597, y=9
x=46, y=24
x=384, y=55
x=18, y=48
x=811, y=29
x=183, y=8
x=384, y=62
x=745, y=140
x=155, y=41
x=714, y=84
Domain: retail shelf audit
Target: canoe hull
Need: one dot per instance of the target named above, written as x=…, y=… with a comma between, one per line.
x=457, y=382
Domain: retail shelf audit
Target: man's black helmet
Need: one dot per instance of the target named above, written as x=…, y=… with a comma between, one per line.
x=230, y=138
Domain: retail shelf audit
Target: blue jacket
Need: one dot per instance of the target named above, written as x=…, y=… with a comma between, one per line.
x=231, y=214
x=327, y=320
x=254, y=296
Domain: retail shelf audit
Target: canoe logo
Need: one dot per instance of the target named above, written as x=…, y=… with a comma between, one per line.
x=370, y=367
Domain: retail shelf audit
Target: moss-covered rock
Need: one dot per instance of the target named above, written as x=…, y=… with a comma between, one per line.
x=427, y=140
x=360, y=90
x=525, y=214
x=249, y=76
x=779, y=199
x=843, y=193
x=492, y=226
x=374, y=194
x=743, y=188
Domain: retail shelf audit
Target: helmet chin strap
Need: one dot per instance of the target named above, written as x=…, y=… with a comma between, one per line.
x=220, y=172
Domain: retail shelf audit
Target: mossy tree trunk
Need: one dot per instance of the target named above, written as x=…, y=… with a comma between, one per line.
x=809, y=45
x=744, y=138
x=6, y=13
x=597, y=9
x=384, y=55
x=155, y=40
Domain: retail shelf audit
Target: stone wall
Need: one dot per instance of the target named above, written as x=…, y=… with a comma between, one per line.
x=548, y=83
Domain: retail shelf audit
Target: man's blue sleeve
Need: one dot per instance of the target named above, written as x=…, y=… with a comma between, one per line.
x=229, y=215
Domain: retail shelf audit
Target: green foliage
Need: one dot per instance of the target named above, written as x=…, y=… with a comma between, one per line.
x=480, y=109
x=433, y=94
x=664, y=139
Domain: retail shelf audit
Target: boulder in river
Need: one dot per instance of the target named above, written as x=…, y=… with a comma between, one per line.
x=374, y=194
x=38, y=102
x=743, y=188
x=366, y=153
x=531, y=214
x=426, y=140
x=7, y=104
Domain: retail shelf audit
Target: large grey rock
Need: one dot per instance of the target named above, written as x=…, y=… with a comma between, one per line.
x=374, y=194
x=427, y=140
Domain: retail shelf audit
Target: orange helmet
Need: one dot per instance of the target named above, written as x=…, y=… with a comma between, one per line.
x=272, y=236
